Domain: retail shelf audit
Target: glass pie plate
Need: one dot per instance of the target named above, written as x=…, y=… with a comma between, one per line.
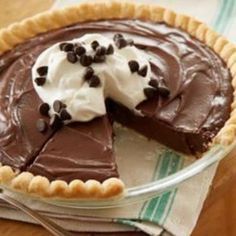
x=148, y=169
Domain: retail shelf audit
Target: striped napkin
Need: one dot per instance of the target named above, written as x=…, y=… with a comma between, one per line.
x=176, y=211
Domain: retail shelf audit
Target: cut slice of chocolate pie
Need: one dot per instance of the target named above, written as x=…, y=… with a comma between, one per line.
x=78, y=151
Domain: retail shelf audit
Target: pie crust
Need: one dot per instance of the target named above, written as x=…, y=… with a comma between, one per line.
x=44, y=22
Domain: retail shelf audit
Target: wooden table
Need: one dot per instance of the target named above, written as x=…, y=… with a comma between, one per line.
x=218, y=216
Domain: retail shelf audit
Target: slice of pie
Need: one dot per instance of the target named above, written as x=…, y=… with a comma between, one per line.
x=67, y=75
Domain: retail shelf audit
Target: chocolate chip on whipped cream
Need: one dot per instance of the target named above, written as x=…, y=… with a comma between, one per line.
x=94, y=81
x=84, y=85
x=42, y=70
x=89, y=71
x=71, y=57
x=110, y=50
x=44, y=109
x=66, y=47
x=94, y=44
x=86, y=60
x=117, y=36
x=154, y=83
x=61, y=46
x=143, y=71
x=55, y=122
x=121, y=42
x=64, y=115
x=133, y=65
x=58, y=105
x=80, y=50
x=99, y=59
x=150, y=92
x=100, y=51
x=40, y=81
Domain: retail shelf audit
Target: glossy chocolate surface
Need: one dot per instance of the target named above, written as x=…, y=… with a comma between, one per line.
x=78, y=151
x=198, y=105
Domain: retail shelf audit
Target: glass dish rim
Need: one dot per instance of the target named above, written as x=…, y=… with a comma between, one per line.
x=152, y=189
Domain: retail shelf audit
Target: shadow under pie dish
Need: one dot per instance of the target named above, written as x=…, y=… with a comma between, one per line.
x=188, y=103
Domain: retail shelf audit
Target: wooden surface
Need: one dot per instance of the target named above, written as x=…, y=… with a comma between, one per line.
x=218, y=216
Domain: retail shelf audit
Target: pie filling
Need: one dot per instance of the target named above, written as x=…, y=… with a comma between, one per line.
x=190, y=104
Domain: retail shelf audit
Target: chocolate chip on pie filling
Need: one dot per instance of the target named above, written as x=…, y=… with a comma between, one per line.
x=185, y=103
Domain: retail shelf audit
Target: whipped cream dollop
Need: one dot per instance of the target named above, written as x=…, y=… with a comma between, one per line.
x=65, y=80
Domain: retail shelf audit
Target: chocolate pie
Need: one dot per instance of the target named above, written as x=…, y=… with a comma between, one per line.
x=67, y=75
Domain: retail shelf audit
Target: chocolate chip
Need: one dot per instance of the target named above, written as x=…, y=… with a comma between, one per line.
x=61, y=46
x=117, y=36
x=163, y=90
x=86, y=60
x=99, y=59
x=80, y=50
x=58, y=105
x=41, y=125
x=110, y=50
x=143, y=71
x=150, y=92
x=153, y=83
x=55, y=122
x=71, y=57
x=130, y=42
x=121, y=43
x=94, y=45
x=88, y=73
x=42, y=70
x=100, y=51
x=64, y=115
x=94, y=81
x=119, y=40
x=44, y=109
x=133, y=65
x=40, y=81
x=66, y=47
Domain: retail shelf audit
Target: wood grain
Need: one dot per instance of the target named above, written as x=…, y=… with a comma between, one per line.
x=218, y=215
x=15, y=10
x=10, y=228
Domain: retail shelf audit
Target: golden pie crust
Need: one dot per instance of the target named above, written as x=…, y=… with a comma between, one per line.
x=44, y=22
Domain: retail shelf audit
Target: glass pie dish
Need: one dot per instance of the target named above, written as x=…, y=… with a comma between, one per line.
x=181, y=168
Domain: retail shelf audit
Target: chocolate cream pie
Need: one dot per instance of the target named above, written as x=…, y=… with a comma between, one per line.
x=67, y=75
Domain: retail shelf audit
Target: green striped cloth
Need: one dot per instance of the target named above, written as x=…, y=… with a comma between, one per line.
x=175, y=211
